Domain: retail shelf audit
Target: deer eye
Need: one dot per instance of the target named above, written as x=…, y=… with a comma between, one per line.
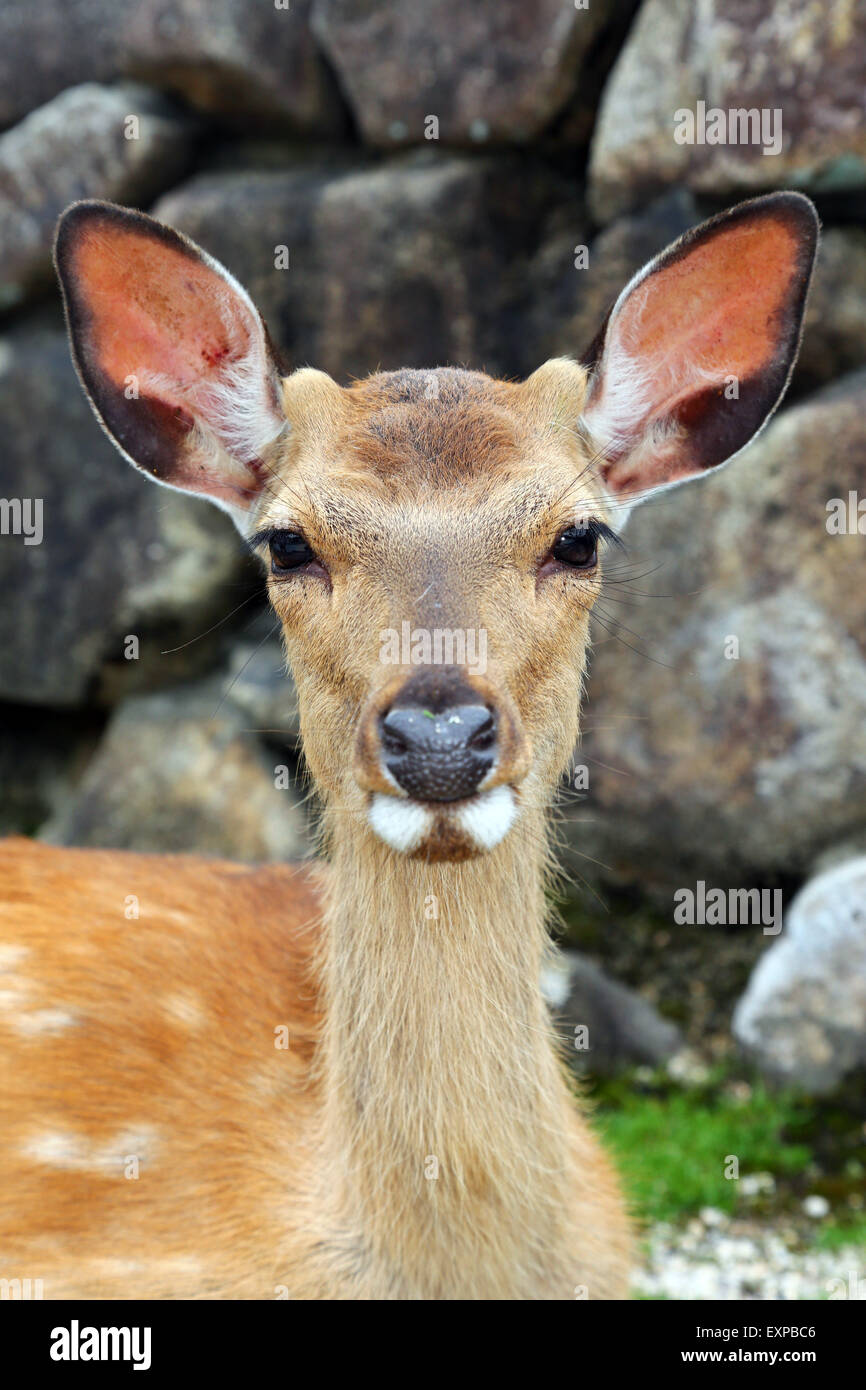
x=288, y=551
x=578, y=547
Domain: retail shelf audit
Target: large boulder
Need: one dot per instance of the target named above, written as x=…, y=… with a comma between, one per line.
x=768, y=56
x=803, y=1016
x=125, y=144
x=91, y=552
x=419, y=262
x=240, y=61
x=179, y=770
x=725, y=728
x=498, y=70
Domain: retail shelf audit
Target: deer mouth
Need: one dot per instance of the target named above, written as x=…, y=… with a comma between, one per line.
x=444, y=830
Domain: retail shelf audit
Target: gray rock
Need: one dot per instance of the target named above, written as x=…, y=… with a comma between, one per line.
x=803, y=1015
x=495, y=71
x=766, y=55
x=256, y=682
x=733, y=769
x=605, y=1026
x=834, y=329
x=569, y=304
x=243, y=62
x=179, y=771
x=79, y=146
x=117, y=557
x=419, y=262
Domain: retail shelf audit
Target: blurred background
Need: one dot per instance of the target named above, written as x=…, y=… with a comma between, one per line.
x=422, y=184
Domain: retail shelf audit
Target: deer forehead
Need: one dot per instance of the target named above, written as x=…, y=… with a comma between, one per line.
x=441, y=456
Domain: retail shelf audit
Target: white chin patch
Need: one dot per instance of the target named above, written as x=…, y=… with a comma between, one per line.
x=488, y=818
x=401, y=824
x=404, y=825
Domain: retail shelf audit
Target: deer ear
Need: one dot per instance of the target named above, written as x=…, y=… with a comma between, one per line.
x=171, y=352
x=697, y=351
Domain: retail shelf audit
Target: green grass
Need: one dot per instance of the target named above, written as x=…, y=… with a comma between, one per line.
x=838, y=1235
x=672, y=1146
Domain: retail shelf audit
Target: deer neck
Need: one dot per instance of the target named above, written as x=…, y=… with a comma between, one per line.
x=447, y=1122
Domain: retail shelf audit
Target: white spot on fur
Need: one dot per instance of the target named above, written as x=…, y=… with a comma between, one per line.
x=63, y=1149
x=12, y=994
x=400, y=823
x=184, y=1008
x=14, y=988
x=487, y=818
x=12, y=955
x=57, y=1150
x=51, y=1021
x=172, y=1267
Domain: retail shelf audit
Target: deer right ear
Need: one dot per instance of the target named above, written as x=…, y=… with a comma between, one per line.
x=697, y=351
x=171, y=352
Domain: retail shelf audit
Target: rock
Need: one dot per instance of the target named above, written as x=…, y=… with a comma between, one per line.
x=816, y=1207
x=242, y=62
x=805, y=62
x=571, y=132
x=705, y=765
x=803, y=1015
x=178, y=771
x=834, y=331
x=117, y=556
x=40, y=758
x=605, y=1025
x=419, y=262
x=257, y=683
x=498, y=71
x=125, y=144
x=569, y=304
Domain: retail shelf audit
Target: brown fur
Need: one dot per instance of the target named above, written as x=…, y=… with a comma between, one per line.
x=151, y=1038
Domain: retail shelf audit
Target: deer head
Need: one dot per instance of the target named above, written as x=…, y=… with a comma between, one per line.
x=435, y=540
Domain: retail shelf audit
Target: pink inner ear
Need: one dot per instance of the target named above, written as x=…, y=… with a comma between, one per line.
x=154, y=309
x=715, y=306
x=717, y=310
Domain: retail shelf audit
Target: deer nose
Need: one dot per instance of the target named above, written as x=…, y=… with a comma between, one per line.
x=440, y=755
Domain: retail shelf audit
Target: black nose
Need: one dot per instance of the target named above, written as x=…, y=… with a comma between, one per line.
x=439, y=755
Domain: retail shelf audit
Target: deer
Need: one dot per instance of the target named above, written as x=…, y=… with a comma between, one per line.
x=418, y=1137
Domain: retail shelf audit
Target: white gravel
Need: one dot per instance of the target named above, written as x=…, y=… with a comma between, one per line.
x=716, y=1256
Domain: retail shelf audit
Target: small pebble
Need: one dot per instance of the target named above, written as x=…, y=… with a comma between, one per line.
x=816, y=1207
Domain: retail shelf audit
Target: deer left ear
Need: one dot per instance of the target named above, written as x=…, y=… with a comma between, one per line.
x=696, y=353
x=171, y=352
